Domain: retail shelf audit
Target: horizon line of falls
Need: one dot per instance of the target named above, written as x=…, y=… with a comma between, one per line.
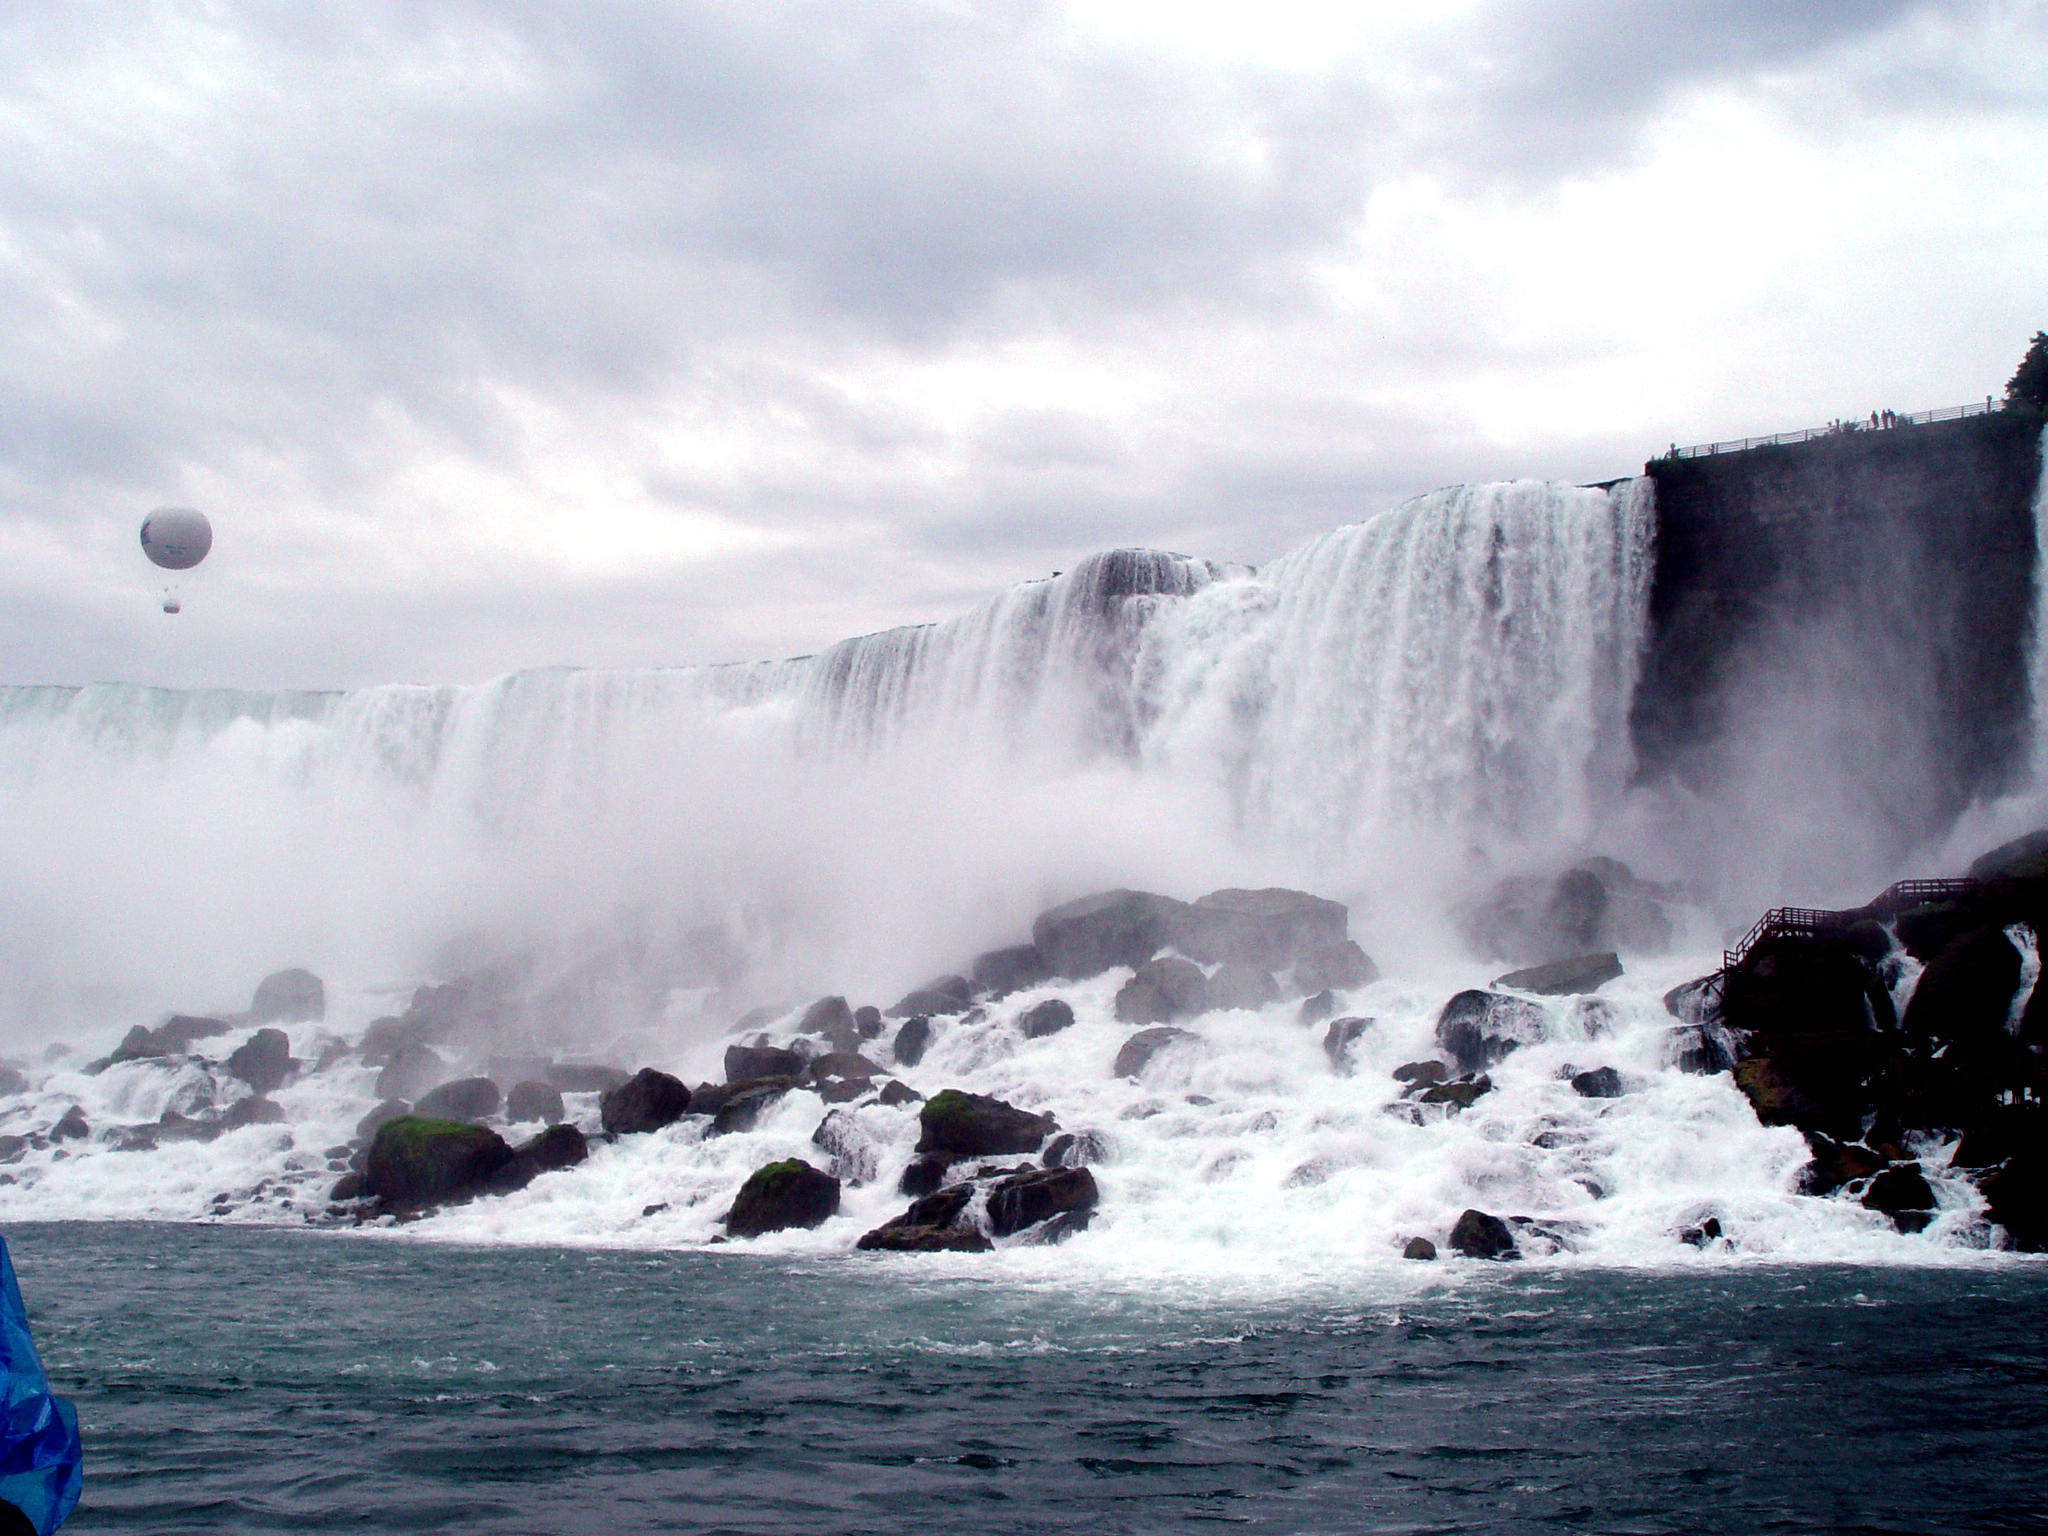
x=1397, y=705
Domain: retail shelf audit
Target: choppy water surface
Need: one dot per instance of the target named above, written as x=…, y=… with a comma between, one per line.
x=240, y=1380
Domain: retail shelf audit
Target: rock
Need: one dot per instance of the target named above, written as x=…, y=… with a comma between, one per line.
x=416, y=1162
x=255, y=1110
x=1046, y=1018
x=411, y=1071
x=1480, y=1236
x=1597, y=904
x=1139, y=1051
x=1967, y=990
x=867, y=1022
x=744, y=1063
x=1421, y=1073
x=1162, y=991
x=831, y=1019
x=1335, y=967
x=897, y=1094
x=1478, y=1029
x=181, y=1031
x=1600, y=1083
x=585, y=1077
x=289, y=997
x=894, y=1239
x=1084, y=938
x=71, y=1126
x=1901, y=1187
x=1697, y=1001
x=137, y=1045
x=2024, y=858
x=264, y=1061
x=1016, y=969
x=534, y=1101
x=1699, y=1236
x=1581, y=973
x=1702, y=1049
x=13, y=1148
x=2017, y=1197
x=1338, y=1040
x=346, y=1188
x=386, y=1037
x=557, y=1147
x=745, y=1104
x=1025, y=1199
x=1821, y=1019
x=1316, y=1007
x=1460, y=1093
x=911, y=1040
x=1418, y=1248
x=467, y=1098
x=1242, y=986
x=390, y=1109
x=840, y=1077
x=782, y=1195
x=973, y=1125
x=924, y=1174
x=647, y=1101
x=1270, y=929
x=653, y=1210
x=1774, y=1094
x=855, y=1157
x=1076, y=1149
x=939, y=998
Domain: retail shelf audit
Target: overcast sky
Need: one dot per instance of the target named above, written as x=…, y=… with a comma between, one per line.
x=494, y=335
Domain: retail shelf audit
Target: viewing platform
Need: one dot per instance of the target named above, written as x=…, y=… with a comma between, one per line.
x=1878, y=421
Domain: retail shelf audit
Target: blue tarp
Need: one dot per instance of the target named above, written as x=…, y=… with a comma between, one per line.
x=41, y=1465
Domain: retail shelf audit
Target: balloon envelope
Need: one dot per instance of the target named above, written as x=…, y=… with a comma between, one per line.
x=176, y=538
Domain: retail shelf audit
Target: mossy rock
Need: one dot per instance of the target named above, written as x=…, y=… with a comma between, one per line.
x=417, y=1160
x=974, y=1125
x=781, y=1195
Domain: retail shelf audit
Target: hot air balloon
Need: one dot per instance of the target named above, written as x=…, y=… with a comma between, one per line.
x=176, y=538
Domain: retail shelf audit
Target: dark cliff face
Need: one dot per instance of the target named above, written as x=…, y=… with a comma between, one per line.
x=1839, y=629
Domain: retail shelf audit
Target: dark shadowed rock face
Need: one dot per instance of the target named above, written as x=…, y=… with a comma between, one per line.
x=71, y=1126
x=1162, y=991
x=1139, y=1052
x=289, y=997
x=1479, y=1236
x=1820, y=1031
x=939, y=998
x=1581, y=973
x=415, y=1162
x=468, y=1098
x=557, y=1147
x=780, y=1196
x=911, y=1040
x=2017, y=1194
x=974, y=1125
x=745, y=1062
x=1025, y=1199
x=647, y=1101
x=264, y=1061
x=744, y=1104
x=1478, y=1029
x=914, y=1239
x=1600, y=1083
x=1339, y=1039
x=1046, y=1018
x=1418, y=1248
x=534, y=1101
x=1084, y=938
x=1076, y=1149
x=1316, y=1007
x=1967, y=989
x=1003, y=971
x=831, y=1019
x=2024, y=858
x=1270, y=929
x=1835, y=1164
x=923, y=1174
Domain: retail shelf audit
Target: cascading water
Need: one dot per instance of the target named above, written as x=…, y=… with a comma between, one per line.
x=1438, y=692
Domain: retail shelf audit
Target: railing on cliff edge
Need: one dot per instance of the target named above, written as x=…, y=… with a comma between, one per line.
x=1810, y=922
x=1880, y=421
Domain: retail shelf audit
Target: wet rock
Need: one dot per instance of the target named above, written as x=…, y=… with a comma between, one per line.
x=647, y=1101
x=1084, y=938
x=1821, y=1020
x=1477, y=1029
x=1338, y=1040
x=911, y=1041
x=585, y=1077
x=2024, y=858
x=390, y=1109
x=746, y=1103
x=1163, y=991
x=898, y=1094
x=412, y=1069
x=1600, y=1083
x=1076, y=1149
x=255, y=1110
x=1421, y=1073
x=1702, y=1049
x=1835, y=1163
x=181, y=1031
x=1597, y=904
x=347, y=1188
x=13, y=1148
x=974, y=1125
x=1270, y=929
x=1477, y=1235
x=386, y=1037
x=832, y=1020
x=939, y=998
x=1901, y=1187
x=1460, y=1093
x=923, y=1174
x=416, y=1162
x=1967, y=990
x=534, y=1101
x=840, y=1077
x=138, y=1044
x=1418, y=1248
x=467, y=1098
x=911, y=1239
x=1316, y=1007
x=1341, y=967
x=868, y=1022
x=743, y=1063
x=1025, y=1199
x=1003, y=971
x=782, y=1195
x=1242, y=986
x=1581, y=973
x=1697, y=1001
x=855, y=1157
x=1699, y=1236
x=289, y=997
x=264, y=1061
x=1139, y=1052
x=2017, y=1197
x=557, y=1147
x=1046, y=1018
x=1775, y=1094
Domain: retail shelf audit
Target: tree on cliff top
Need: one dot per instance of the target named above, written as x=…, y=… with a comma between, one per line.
x=2029, y=385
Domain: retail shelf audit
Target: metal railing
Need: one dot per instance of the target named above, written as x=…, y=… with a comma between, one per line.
x=1879, y=421
x=1809, y=922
